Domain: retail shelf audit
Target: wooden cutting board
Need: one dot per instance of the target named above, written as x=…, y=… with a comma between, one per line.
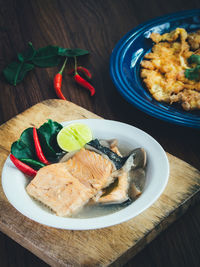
x=109, y=246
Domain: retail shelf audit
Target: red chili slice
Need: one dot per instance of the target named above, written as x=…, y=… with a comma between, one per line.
x=38, y=148
x=22, y=166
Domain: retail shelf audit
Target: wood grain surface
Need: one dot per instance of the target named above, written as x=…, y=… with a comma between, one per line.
x=103, y=247
x=96, y=26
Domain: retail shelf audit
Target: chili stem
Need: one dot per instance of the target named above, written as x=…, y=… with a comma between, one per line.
x=63, y=66
x=75, y=65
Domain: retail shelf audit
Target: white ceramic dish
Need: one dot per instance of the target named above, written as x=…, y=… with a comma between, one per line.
x=14, y=181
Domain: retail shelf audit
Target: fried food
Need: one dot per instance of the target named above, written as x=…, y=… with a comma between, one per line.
x=163, y=69
x=194, y=40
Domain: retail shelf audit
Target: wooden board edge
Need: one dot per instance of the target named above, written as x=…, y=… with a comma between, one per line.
x=158, y=229
x=50, y=102
x=29, y=246
x=122, y=259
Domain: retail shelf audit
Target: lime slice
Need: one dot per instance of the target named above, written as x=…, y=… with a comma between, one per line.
x=74, y=136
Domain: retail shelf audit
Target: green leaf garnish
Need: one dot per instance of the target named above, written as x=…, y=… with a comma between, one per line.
x=15, y=71
x=194, y=59
x=24, y=147
x=28, y=54
x=46, y=57
x=193, y=74
x=47, y=135
x=36, y=165
x=72, y=52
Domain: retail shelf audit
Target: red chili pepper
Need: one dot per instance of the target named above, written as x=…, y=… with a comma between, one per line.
x=83, y=70
x=22, y=166
x=57, y=86
x=58, y=82
x=38, y=148
x=78, y=79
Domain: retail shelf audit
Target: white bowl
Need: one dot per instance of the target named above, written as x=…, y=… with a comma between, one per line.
x=129, y=137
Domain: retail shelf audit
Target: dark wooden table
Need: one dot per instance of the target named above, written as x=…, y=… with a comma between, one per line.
x=95, y=26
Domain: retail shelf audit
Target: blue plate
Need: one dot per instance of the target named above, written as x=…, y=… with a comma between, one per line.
x=125, y=67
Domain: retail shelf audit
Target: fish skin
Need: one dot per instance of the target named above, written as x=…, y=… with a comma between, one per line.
x=120, y=193
x=126, y=187
x=116, y=159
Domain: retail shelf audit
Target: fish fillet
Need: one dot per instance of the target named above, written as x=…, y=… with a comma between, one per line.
x=128, y=183
x=119, y=194
x=55, y=187
x=91, y=169
x=66, y=187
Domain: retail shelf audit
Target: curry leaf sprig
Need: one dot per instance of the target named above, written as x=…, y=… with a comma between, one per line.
x=193, y=73
x=45, y=57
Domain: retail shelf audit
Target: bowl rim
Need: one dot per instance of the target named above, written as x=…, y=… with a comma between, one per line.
x=124, y=214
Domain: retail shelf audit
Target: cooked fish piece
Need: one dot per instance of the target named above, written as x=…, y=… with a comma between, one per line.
x=119, y=192
x=115, y=149
x=56, y=188
x=68, y=156
x=134, y=174
x=106, y=152
x=66, y=187
x=112, y=144
x=91, y=169
x=108, y=143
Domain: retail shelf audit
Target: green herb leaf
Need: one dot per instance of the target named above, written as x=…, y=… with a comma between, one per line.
x=24, y=147
x=46, y=57
x=15, y=71
x=194, y=59
x=72, y=52
x=193, y=74
x=11, y=72
x=20, y=150
x=26, y=67
x=28, y=54
x=48, y=139
x=36, y=165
